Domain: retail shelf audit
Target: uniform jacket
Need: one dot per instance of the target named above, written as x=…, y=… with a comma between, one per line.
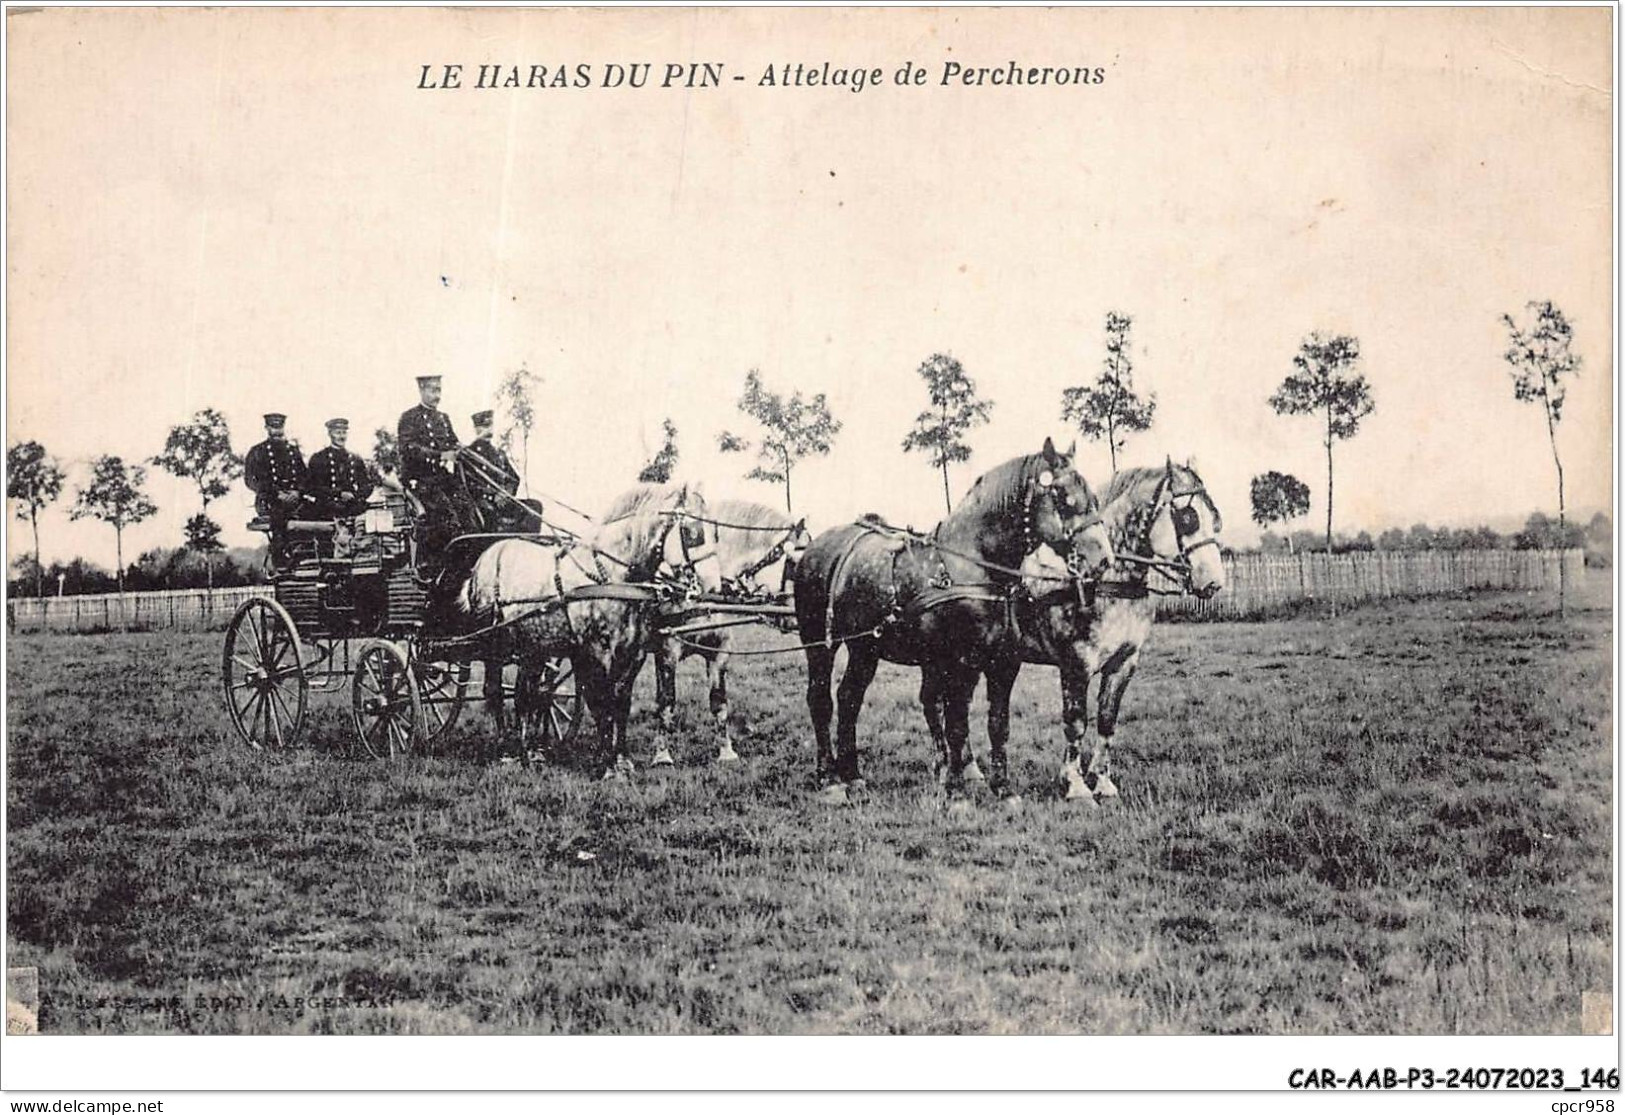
x=500, y=465
x=274, y=466
x=336, y=470
x=422, y=435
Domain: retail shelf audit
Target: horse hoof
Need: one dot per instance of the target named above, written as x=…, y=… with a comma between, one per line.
x=833, y=794
x=727, y=755
x=857, y=784
x=1105, y=787
x=959, y=806
x=973, y=772
x=1014, y=804
x=662, y=758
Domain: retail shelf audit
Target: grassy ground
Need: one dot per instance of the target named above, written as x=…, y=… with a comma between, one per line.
x=1394, y=822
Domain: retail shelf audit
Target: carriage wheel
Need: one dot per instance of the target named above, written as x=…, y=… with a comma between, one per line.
x=384, y=702
x=266, y=688
x=558, y=710
x=442, y=688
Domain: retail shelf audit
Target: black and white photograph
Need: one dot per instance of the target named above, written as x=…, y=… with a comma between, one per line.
x=721, y=522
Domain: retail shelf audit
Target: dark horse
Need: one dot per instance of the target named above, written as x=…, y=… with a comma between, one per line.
x=944, y=602
x=1164, y=531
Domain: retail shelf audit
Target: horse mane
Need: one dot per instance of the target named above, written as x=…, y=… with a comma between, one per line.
x=638, y=499
x=744, y=513
x=632, y=526
x=1129, y=481
x=1137, y=484
x=1001, y=487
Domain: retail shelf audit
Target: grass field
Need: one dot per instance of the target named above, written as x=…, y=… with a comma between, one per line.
x=1398, y=821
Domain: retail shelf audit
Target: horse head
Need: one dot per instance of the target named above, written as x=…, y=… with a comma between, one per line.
x=688, y=541
x=1178, y=526
x=1064, y=514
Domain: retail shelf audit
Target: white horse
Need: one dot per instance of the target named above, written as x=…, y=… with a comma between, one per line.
x=757, y=550
x=593, y=600
x=1164, y=530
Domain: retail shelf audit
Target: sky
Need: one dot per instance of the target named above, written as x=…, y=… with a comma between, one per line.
x=254, y=210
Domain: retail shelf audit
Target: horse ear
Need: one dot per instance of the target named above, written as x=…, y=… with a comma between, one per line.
x=1072, y=450
x=1049, y=451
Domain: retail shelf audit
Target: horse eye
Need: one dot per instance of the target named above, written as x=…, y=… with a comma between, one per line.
x=1186, y=520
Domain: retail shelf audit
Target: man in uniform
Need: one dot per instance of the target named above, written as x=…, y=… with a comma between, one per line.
x=493, y=480
x=337, y=482
x=274, y=471
x=428, y=448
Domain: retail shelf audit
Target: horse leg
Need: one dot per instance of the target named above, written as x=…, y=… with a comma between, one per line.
x=1001, y=679
x=861, y=663
x=958, y=685
x=820, y=667
x=1074, y=720
x=1112, y=686
x=491, y=688
x=667, y=654
x=623, y=717
x=931, y=699
x=716, y=666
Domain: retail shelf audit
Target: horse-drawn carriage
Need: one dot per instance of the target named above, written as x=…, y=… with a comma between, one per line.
x=350, y=607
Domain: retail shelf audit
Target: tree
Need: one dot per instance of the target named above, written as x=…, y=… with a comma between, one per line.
x=1541, y=358
x=1278, y=498
x=34, y=481
x=515, y=394
x=1109, y=409
x=658, y=469
x=792, y=429
x=200, y=451
x=955, y=408
x=203, y=536
x=1323, y=384
x=115, y=497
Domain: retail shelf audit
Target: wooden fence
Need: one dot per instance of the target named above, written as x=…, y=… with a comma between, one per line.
x=179, y=609
x=1256, y=585
x=1260, y=585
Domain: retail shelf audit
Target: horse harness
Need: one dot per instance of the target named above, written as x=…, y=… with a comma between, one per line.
x=1144, y=559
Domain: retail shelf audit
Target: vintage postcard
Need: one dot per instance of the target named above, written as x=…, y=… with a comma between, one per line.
x=1058, y=523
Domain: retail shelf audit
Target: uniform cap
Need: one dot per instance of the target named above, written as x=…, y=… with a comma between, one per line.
x=483, y=417
x=424, y=381
x=276, y=419
x=338, y=423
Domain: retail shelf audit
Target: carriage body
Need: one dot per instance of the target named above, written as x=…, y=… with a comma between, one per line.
x=354, y=578
x=348, y=608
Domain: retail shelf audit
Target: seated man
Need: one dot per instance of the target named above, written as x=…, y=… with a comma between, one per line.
x=493, y=481
x=274, y=471
x=337, y=482
x=429, y=449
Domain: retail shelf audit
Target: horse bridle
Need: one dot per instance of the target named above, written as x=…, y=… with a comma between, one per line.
x=1066, y=546
x=779, y=549
x=1185, y=521
x=690, y=537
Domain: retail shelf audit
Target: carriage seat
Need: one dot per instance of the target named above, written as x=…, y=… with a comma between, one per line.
x=308, y=527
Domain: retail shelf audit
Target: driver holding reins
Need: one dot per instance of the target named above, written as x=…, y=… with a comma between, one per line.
x=429, y=449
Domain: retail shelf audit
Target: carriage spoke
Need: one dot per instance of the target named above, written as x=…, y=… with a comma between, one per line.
x=259, y=639
x=250, y=722
x=283, y=705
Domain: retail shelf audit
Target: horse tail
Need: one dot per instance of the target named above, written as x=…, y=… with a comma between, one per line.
x=810, y=587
